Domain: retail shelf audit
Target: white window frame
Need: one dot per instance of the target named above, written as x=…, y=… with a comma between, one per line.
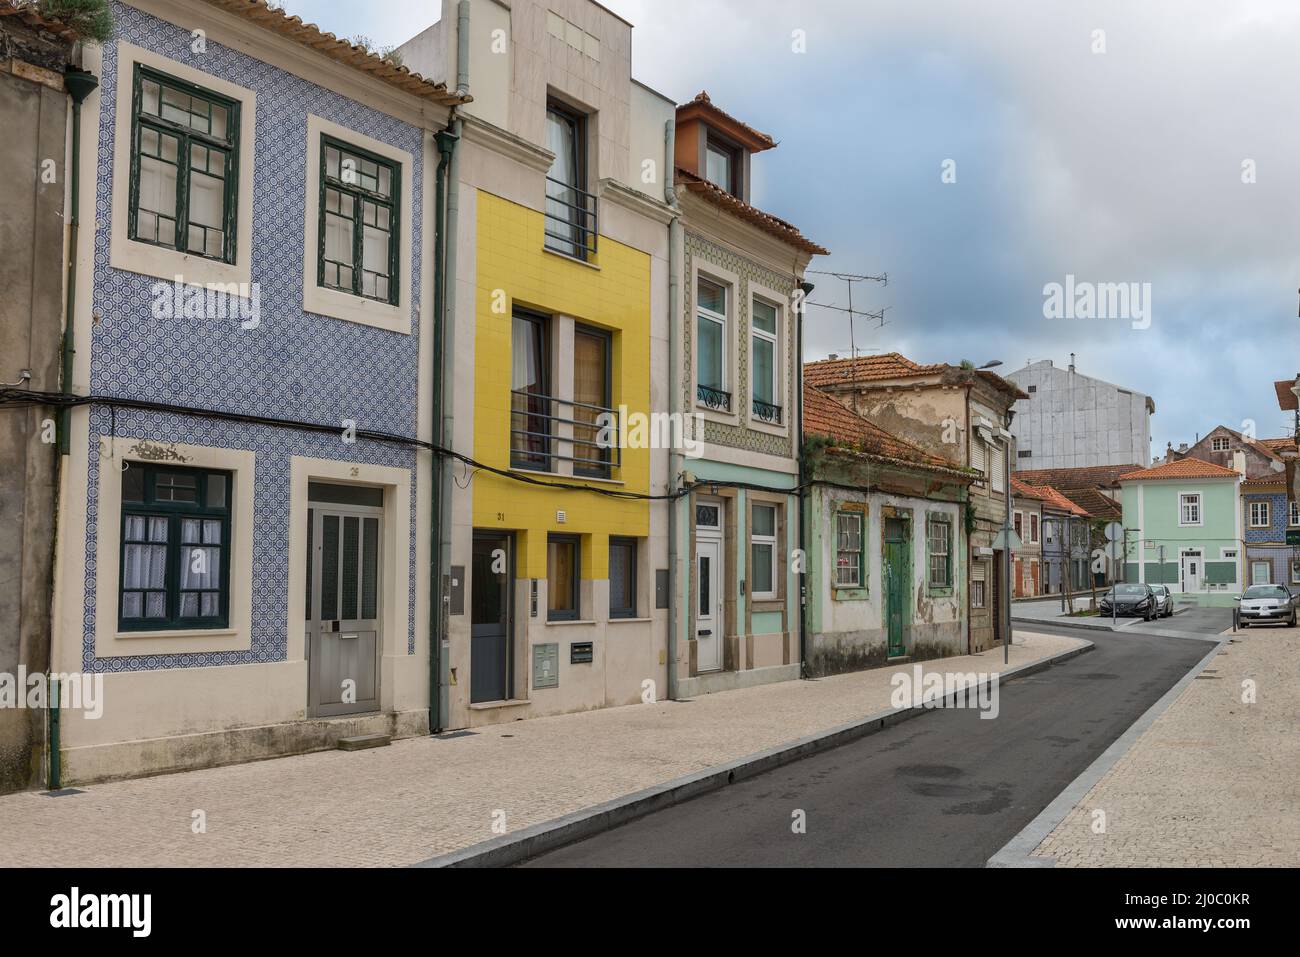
x=979, y=457
x=158, y=261
x=978, y=584
x=1256, y=562
x=860, y=572
x=1219, y=444
x=730, y=284
x=335, y=302
x=757, y=294
x=1035, y=527
x=768, y=541
x=1295, y=566
x=1184, y=500
x=1293, y=514
x=1268, y=513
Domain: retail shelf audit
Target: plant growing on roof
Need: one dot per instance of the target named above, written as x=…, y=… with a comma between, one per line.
x=369, y=46
x=89, y=19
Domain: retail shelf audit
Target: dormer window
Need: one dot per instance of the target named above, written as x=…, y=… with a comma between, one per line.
x=722, y=165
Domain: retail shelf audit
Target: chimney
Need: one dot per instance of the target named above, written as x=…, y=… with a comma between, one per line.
x=1239, y=462
x=1071, y=361
x=833, y=356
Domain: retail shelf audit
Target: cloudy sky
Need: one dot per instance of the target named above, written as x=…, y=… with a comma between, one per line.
x=1122, y=166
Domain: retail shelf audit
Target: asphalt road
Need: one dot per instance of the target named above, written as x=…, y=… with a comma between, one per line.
x=946, y=789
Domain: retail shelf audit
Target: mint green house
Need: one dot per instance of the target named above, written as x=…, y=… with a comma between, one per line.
x=1183, y=524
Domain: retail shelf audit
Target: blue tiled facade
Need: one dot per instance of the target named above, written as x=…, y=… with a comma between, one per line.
x=1268, y=544
x=293, y=365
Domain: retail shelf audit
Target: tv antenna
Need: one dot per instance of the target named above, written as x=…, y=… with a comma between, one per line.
x=879, y=316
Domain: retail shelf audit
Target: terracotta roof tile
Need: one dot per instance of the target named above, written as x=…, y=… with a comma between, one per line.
x=340, y=50
x=29, y=15
x=772, y=225
x=890, y=365
x=1021, y=490
x=1088, y=476
x=1285, y=397
x=702, y=107
x=1055, y=499
x=1093, y=502
x=822, y=415
x=1279, y=444
x=1181, y=469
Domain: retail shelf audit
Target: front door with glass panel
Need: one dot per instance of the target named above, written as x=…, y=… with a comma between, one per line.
x=491, y=660
x=343, y=581
x=1191, y=571
x=708, y=586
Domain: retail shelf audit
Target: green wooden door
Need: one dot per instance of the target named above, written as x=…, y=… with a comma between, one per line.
x=897, y=583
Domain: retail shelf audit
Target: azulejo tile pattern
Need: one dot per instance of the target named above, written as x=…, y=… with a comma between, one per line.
x=739, y=437
x=293, y=365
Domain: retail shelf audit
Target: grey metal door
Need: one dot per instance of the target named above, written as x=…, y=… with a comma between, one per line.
x=491, y=661
x=343, y=627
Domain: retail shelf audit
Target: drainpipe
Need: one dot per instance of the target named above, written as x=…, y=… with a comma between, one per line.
x=437, y=594
x=674, y=393
x=79, y=84
x=447, y=221
x=807, y=288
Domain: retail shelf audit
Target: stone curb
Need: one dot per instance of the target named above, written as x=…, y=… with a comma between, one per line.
x=1018, y=851
x=531, y=841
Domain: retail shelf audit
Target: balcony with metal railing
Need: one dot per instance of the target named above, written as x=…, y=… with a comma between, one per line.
x=572, y=220
x=711, y=398
x=546, y=431
x=767, y=412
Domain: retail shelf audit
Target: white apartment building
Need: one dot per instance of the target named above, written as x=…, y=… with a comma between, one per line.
x=1071, y=420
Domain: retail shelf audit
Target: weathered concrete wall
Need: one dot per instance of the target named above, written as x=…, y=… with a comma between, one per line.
x=34, y=114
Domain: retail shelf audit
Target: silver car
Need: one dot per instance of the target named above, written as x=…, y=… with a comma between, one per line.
x=1267, y=603
x=1164, y=601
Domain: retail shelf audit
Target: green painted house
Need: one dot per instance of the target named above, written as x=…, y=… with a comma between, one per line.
x=1183, y=527
x=886, y=537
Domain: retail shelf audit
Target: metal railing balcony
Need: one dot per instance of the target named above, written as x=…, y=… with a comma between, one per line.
x=713, y=398
x=767, y=412
x=546, y=430
x=572, y=220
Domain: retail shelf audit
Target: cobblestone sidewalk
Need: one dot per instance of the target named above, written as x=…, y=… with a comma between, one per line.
x=425, y=796
x=1214, y=782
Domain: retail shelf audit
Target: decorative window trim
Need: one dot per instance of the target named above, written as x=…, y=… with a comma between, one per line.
x=1293, y=514
x=336, y=303
x=110, y=641
x=1267, y=507
x=1035, y=526
x=1200, y=509
x=771, y=541
x=147, y=258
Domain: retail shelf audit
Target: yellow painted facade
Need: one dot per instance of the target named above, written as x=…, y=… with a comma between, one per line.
x=614, y=295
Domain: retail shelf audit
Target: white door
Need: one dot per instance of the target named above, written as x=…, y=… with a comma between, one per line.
x=1191, y=571
x=708, y=613
x=1260, y=573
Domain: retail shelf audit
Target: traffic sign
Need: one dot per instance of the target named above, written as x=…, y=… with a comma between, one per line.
x=1115, y=532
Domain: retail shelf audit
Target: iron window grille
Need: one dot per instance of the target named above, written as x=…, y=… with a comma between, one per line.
x=184, y=152
x=360, y=196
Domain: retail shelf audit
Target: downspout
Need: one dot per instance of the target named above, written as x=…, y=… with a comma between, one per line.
x=447, y=219
x=79, y=84
x=437, y=594
x=807, y=289
x=674, y=392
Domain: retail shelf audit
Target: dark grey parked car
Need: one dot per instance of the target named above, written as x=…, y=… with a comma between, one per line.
x=1130, y=600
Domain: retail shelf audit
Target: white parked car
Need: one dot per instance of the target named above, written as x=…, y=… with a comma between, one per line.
x=1267, y=603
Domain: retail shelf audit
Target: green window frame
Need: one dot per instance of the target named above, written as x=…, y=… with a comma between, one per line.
x=174, y=559
x=184, y=148
x=850, y=550
x=938, y=532
x=360, y=200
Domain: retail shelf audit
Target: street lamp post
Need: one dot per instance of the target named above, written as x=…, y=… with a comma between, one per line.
x=1006, y=526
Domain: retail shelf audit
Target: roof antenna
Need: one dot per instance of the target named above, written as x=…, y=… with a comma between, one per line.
x=850, y=279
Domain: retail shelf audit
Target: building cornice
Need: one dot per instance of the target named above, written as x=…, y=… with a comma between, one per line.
x=491, y=137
